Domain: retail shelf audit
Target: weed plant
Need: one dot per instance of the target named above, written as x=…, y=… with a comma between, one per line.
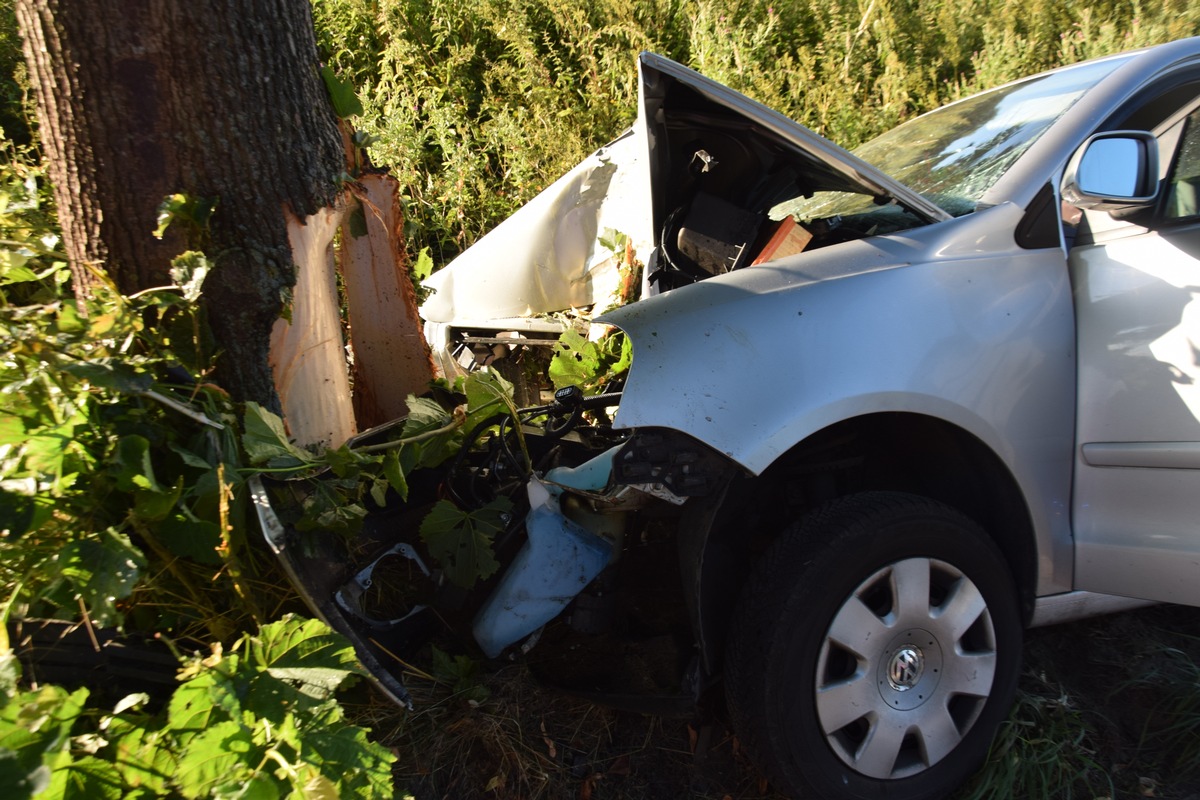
x=1171, y=683
x=477, y=107
x=1044, y=749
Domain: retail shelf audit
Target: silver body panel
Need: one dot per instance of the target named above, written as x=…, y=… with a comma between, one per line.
x=1138, y=464
x=980, y=334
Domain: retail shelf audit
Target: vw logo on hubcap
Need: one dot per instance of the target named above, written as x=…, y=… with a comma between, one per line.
x=905, y=668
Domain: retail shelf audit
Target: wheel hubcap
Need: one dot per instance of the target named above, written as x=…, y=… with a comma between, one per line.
x=910, y=669
x=905, y=668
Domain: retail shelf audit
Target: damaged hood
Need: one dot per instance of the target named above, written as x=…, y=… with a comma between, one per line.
x=835, y=167
x=689, y=186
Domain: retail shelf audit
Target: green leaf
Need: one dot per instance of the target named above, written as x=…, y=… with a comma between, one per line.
x=362, y=767
x=277, y=701
x=336, y=515
x=13, y=269
x=581, y=362
x=613, y=240
x=258, y=787
x=488, y=393
x=364, y=139
x=131, y=464
x=143, y=757
x=460, y=673
x=10, y=666
x=312, y=785
x=576, y=361
x=107, y=373
x=46, y=452
x=155, y=504
x=134, y=473
x=23, y=511
x=395, y=475
x=12, y=429
x=341, y=93
x=87, y=778
x=192, y=707
x=425, y=415
x=379, y=488
x=622, y=346
x=189, y=458
x=195, y=539
x=102, y=571
x=223, y=754
x=424, y=266
x=194, y=212
x=266, y=441
x=167, y=209
x=307, y=654
x=36, y=726
x=344, y=462
x=69, y=320
x=188, y=271
x=461, y=541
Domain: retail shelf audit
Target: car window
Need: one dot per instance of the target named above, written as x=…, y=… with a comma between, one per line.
x=953, y=155
x=1183, y=187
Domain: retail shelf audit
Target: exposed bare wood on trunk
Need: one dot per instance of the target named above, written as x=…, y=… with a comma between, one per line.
x=391, y=358
x=140, y=99
x=308, y=356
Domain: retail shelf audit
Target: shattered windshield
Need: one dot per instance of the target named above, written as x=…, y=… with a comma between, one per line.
x=953, y=155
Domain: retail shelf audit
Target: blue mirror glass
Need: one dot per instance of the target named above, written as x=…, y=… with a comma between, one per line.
x=1111, y=168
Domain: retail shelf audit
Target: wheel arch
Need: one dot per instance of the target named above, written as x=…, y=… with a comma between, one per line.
x=886, y=451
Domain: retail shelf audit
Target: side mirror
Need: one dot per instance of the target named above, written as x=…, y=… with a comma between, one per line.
x=1113, y=170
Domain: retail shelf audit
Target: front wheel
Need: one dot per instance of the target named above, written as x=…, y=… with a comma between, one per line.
x=875, y=650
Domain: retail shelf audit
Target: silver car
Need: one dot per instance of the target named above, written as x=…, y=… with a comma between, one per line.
x=886, y=409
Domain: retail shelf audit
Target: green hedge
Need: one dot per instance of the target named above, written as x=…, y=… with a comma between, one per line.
x=479, y=106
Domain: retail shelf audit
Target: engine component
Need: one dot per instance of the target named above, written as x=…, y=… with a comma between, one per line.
x=680, y=463
x=716, y=235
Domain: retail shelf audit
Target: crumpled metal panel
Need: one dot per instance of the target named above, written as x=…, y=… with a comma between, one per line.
x=546, y=257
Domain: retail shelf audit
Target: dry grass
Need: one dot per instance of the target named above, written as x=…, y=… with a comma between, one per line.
x=1107, y=708
x=524, y=741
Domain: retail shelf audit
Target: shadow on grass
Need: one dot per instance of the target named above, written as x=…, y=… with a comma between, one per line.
x=1107, y=708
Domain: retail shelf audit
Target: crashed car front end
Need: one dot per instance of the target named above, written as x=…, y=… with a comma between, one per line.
x=699, y=188
x=718, y=236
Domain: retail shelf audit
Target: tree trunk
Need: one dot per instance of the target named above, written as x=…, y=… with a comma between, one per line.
x=140, y=99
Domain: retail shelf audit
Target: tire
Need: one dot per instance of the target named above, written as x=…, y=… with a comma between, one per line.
x=875, y=650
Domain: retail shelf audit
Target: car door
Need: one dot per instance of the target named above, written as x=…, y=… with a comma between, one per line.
x=1136, y=505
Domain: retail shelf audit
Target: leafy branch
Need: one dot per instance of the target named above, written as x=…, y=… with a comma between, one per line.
x=260, y=721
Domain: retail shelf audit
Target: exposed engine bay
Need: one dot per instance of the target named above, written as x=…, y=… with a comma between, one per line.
x=737, y=197
x=701, y=186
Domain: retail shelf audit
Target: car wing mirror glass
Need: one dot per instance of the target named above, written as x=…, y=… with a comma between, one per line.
x=1113, y=170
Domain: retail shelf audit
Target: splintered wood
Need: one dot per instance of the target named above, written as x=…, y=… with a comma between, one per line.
x=330, y=389
x=391, y=359
x=308, y=356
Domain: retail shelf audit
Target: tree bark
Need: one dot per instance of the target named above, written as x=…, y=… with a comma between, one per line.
x=140, y=99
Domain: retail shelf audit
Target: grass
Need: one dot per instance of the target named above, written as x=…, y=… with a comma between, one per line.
x=1107, y=708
